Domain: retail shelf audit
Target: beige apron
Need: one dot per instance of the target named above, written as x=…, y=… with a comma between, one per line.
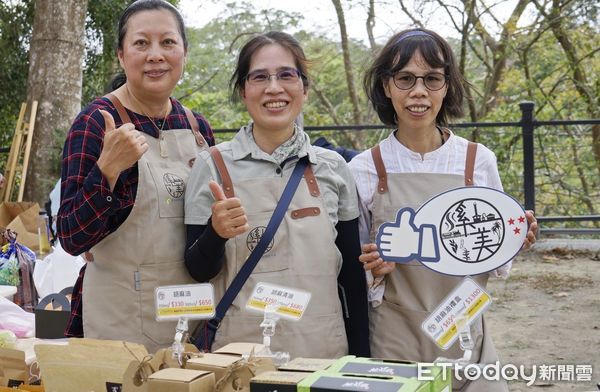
x=412, y=291
x=147, y=250
x=302, y=255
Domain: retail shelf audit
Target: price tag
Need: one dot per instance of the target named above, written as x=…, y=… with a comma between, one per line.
x=292, y=302
x=467, y=301
x=192, y=301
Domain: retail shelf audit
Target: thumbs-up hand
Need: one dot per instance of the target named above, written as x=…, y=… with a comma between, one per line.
x=122, y=148
x=402, y=241
x=228, y=215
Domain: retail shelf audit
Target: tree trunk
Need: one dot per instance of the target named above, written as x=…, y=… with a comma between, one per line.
x=579, y=77
x=54, y=80
x=347, y=63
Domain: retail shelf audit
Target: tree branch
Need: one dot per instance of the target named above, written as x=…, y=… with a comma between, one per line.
x=371, y=25
x=416, y=21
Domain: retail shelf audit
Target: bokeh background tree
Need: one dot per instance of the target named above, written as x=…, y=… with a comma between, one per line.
x=545, y=51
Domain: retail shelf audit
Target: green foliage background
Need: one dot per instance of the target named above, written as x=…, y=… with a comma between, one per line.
x=567, y=173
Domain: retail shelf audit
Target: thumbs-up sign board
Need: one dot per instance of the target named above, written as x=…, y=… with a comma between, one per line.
x=464, y=231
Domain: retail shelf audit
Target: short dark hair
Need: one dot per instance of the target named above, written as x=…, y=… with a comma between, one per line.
x=394, y=56
x=238, y=79
x=139, y=6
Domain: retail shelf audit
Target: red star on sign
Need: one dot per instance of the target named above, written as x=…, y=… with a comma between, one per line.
x=521, y=219
x=511, y=221
x=517, y=230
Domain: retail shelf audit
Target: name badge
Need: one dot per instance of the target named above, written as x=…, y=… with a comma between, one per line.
x=464, y=304
x=192, y=301
x=292, y=302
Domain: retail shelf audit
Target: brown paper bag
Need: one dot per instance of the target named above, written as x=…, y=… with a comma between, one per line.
x=86, y=364
x=13, y=368
x=22, y=218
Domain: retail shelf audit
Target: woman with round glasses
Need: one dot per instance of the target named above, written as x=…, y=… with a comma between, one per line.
x=415, y=86
x=315, y=248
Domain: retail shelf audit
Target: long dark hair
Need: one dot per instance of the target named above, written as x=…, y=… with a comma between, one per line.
x=134, y=8
x=238, y=79
x=396, y=53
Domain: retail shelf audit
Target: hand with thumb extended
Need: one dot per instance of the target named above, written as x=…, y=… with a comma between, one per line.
x=109, y=121
x=228, y=215
x=122, y=147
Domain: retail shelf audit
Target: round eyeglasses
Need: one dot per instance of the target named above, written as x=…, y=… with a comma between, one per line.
x=286, y=76
x=433, y=81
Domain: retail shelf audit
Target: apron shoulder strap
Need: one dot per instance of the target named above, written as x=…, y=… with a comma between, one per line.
x=382, y=186
x=223, y=172
x=119, y=106
x=195, y=126
x=311, y=181
x=470, y=163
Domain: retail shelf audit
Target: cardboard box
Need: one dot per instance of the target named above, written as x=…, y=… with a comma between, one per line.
x=181, y=380
x=307, y=364
x=23, y=388
x=326, y=381
x=86, y=364
x=13, y=369
x=240, y=349
x=51, y=316
x=22, y=218
x=396, y=368
x=276, y=381
x=234, y=365
x=216, y=363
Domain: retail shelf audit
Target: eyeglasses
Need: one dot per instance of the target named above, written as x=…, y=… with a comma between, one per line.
x=285, y=76
x=433, y=81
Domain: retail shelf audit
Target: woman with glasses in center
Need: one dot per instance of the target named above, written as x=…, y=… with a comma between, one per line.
x=315, y=248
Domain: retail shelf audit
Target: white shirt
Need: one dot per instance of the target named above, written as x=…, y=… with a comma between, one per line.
x=448, y=159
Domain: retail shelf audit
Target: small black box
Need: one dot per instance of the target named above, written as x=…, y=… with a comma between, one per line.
x=51, y=323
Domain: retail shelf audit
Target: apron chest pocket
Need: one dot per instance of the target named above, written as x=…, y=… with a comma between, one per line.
x=170, y=182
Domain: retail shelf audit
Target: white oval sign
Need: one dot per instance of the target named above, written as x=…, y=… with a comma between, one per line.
x=464, y=231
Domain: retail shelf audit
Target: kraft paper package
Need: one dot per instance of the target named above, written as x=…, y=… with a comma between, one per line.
x=86, y=364
x=24, y=388
x=309, y=365
x=181, y=380
x=249, y=350
x=137, y=375
x=234, y=365
x=22, y=218
x=13, y=369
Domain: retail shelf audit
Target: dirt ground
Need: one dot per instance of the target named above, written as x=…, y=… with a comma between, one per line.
x=548, y=312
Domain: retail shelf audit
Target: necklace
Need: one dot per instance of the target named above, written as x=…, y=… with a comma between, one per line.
x=161, y=137
x=441, y=135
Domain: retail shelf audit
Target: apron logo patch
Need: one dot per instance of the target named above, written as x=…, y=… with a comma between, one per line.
x=174, y=185
x=472, y=230
x=254, y=236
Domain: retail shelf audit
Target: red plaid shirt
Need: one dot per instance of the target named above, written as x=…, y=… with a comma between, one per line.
x=89, y=211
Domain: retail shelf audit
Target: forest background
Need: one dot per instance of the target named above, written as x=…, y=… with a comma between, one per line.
x=61, y=53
